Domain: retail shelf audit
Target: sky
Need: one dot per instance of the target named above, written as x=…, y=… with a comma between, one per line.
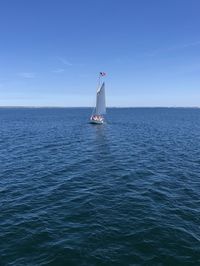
x=51, y=52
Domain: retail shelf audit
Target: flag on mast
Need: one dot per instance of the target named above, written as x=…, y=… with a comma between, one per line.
x=102, y=74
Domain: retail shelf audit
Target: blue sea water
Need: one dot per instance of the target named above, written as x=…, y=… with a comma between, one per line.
x=123, y=193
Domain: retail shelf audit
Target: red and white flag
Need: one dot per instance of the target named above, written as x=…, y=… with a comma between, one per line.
x=102, y=74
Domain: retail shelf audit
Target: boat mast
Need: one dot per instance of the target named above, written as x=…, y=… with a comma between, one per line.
x=98, y=86
x=99, y=80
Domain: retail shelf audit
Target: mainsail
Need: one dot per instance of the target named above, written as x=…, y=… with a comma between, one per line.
x=100, y=101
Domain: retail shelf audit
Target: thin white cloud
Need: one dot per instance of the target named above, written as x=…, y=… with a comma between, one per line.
x=64, y=61
x=26, y=75
x=173, y=48
x=59, y=70
x=190, y=44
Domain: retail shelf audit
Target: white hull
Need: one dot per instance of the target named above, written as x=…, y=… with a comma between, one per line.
x=96, y=122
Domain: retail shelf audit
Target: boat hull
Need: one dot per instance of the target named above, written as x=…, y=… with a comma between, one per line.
x=96, y=122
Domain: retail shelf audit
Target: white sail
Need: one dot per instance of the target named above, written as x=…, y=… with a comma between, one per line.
x=100, y=101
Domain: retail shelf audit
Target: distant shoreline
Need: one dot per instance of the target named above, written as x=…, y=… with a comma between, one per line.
x=110, y=107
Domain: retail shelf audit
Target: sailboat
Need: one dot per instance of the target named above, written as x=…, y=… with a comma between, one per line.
x=100, y=109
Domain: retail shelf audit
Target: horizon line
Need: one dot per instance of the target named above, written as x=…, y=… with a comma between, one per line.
x=33, y=106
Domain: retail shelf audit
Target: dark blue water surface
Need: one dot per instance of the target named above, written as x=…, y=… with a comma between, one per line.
x=123, y=193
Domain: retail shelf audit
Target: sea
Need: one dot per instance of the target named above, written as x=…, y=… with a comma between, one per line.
x=123, y=193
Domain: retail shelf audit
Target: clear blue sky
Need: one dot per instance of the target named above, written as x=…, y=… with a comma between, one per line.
x=52, y=50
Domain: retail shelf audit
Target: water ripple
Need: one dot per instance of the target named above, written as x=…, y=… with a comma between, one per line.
x=125, y=193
